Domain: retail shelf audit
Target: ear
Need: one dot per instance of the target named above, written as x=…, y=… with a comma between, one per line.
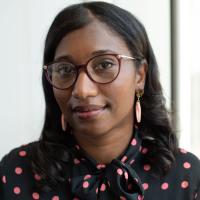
x=141, y=75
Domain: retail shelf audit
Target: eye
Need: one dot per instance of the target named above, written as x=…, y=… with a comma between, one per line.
x=65, y=68
x=103, y=65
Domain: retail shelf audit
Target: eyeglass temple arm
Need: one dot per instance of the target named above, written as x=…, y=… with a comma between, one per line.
x=126, y=57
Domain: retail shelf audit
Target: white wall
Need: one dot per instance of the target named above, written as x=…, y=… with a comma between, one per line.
x=188, y=42
x=24, y=24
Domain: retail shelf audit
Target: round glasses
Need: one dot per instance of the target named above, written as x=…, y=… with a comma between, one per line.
x=101, y=69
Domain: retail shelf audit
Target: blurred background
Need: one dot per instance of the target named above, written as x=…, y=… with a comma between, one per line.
x=174, y=31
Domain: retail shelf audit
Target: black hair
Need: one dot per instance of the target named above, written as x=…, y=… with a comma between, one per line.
x=50, y=153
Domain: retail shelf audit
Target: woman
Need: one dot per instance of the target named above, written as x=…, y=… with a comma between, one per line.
x=107, y=133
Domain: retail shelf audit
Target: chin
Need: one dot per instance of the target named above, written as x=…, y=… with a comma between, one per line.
x=93, y=130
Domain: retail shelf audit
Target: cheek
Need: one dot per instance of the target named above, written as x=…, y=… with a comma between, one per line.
x=126, y=98
x=62, y=98
x=122, y=92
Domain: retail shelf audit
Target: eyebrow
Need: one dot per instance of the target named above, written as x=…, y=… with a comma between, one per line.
x=64, y=57
x=94, y=53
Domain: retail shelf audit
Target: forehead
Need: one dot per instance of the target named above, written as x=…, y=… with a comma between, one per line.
x=93, y=37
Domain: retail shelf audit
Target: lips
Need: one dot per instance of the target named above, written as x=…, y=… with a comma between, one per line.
x=88, y=112
x=87, y=108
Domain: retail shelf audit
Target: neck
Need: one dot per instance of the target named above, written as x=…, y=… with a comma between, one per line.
x=107, y=146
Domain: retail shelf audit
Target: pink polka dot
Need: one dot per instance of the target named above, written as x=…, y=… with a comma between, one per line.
x=186, y=165
x=124, y=159
x=122, y=198
x=55, y=198
x=183, y=151
x=147, y=167
x=164, y=186
x=103, y=187
x=37, y=177
x=184, y=184
x=140, y=197
x=126, y=175
x=101, y=166
x=22, y=153
x=85, y=184
x=195, y=196
x=4, y=179
x=88, y=176
x=145, y=186
x=119, y=171
x=133, y=142
x=77, y=146
x=76, y=161
x=144, y=150
x=18, y=170
x=98, y=166
x=97, y=191
x=17, y=190
x=35, y=195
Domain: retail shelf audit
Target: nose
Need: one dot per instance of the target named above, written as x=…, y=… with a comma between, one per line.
x=84, y=87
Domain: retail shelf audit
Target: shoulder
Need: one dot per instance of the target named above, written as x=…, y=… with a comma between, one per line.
x=181, y=182
x=16, y=176
x=17, y=155
x=188, y=161
x=187, y=169
x=17, y=163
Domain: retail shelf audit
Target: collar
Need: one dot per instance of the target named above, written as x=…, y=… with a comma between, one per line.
x=91, y=180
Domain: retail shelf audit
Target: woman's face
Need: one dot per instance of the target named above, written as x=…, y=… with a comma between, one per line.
x=114, y=101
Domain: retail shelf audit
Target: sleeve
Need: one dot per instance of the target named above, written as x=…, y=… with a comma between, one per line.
x=16, y=177
x=188, y=168
x=195, y=175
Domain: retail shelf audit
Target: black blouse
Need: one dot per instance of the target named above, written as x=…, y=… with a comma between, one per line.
x=125, y=178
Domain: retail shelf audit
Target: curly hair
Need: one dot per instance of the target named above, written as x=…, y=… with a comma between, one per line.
x=50, y=153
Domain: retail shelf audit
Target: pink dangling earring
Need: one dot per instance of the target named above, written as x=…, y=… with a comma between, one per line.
x=138, y=107
x=63, y=123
